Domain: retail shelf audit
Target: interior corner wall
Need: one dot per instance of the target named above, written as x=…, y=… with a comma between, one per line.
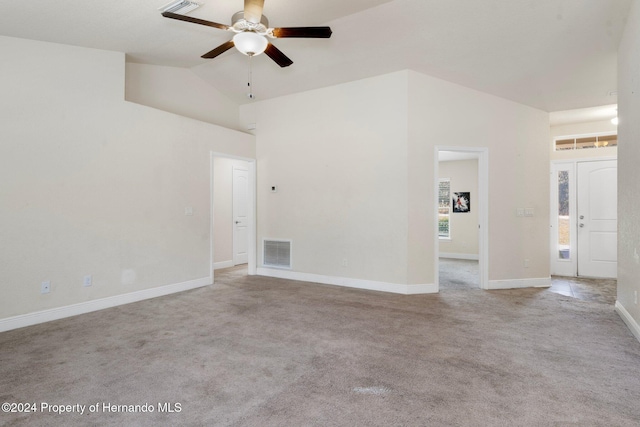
x=463, y=226
x=353, y=165
x=338, y=158
x=223, y=209
x=444, y=114
x=628, y=171
x=179, y=91
x=95, y=185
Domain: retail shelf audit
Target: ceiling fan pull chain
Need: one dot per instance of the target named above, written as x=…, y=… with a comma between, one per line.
x=250, y=82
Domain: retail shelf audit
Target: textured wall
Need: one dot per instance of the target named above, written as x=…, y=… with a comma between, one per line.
x=338, y=157
x=444, y=114
x=628, y=170
x=354, y=165
x=92, y=184
x=179, y=91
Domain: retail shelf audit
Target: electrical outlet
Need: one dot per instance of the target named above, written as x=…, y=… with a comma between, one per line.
x=526, y=263
x=45, y=287
x=188, y=211
x=87, y=280
x=345, y=262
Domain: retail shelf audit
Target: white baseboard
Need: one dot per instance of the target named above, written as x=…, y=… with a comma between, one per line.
x=630, y=321
x=543, y=282
x=222, y=264
x=29, y=319
x=371, y=285
x=473, y=257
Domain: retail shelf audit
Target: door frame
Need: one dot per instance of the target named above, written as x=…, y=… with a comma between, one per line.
x=251, y=250
x=483, y=212
x=571, y=269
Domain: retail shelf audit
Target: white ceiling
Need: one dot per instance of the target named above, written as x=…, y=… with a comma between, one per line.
x=550, y=54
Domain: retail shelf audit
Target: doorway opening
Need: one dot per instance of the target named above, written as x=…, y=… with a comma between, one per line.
x=461, y=244
x=233, y=212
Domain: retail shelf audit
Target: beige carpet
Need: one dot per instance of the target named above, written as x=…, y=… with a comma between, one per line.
x=458, y=274
x=253, y=351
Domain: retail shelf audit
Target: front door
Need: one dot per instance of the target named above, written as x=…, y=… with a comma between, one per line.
x=584, y=218
x=240, y=216
x=597, y=218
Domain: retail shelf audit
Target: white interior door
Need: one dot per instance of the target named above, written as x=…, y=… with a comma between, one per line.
x=597, y=218
x=240, y=216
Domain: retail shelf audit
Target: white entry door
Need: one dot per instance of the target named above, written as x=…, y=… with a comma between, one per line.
x=597, y=218
x=240, y=216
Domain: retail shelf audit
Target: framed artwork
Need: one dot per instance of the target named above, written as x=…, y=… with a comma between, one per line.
x=461, y=202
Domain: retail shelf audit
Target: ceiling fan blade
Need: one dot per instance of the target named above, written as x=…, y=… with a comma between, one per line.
x=194, y=20
x=253, y=10
x=304, y=32
x=278, y=57
x=219, y=50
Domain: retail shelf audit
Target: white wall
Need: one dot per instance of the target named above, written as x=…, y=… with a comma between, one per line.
x=628, y=170
x=179, y=91
x=92, y=184
x=463, y=241
x=444, y=114
x=354, y=167
x=223, y=209
x=338, y=157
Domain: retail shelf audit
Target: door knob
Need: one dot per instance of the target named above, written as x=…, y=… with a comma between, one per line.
x=581, y=216
x=237, y=222
x=581, y=225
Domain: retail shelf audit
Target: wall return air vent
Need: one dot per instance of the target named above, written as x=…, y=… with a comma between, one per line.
x=276, y=253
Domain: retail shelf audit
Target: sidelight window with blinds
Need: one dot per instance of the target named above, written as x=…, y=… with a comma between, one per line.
x=444, y=208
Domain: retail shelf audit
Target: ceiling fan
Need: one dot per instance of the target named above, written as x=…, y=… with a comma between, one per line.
x=251, y=30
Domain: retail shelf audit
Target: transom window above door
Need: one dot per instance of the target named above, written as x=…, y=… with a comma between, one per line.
x=580, y=142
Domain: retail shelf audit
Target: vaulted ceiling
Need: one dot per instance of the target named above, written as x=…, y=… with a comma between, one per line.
x=549, y=54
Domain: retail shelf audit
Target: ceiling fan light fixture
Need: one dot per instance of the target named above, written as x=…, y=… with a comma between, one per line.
x=250, y=43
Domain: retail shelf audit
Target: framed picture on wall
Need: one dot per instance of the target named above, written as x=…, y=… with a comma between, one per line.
x=461, y=202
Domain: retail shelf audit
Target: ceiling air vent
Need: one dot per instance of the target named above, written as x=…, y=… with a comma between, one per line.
x=276, y=253
x=179, y=6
